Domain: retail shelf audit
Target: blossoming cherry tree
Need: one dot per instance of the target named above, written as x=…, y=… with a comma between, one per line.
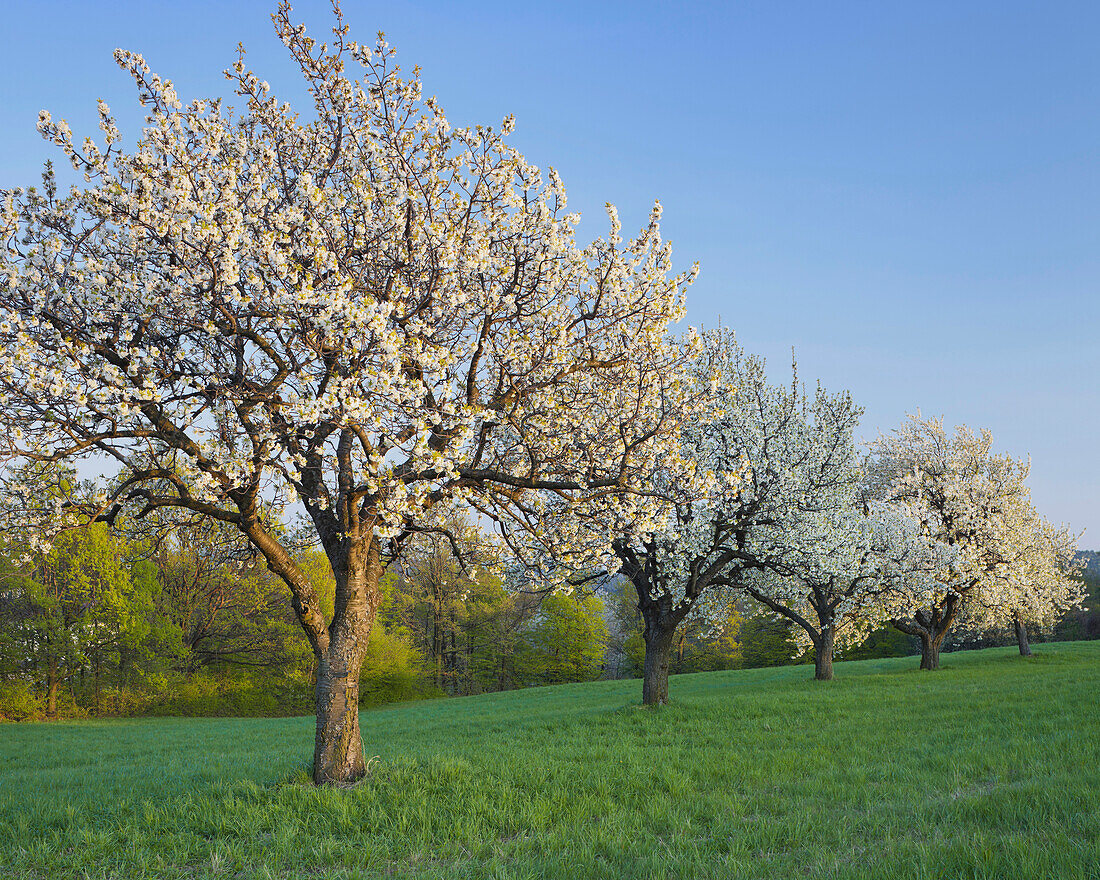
x=364, y=313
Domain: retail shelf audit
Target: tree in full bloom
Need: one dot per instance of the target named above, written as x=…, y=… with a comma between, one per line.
x=366, y=314
x=1036, y=584
x=770, y=469
x=1006, y=558
x=841, y=565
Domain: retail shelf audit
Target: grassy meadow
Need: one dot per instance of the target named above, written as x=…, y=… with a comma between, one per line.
x=989, y=768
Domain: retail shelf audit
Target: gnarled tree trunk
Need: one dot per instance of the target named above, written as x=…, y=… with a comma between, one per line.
x=340, y=646
x=930, y=644
x=823, y=654
x=1021, y=635
x=930, y=625
x=660, y=614
x=338, y=747
x=659, y=634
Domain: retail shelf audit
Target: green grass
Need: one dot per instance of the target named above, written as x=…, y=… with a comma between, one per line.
x=989, y=768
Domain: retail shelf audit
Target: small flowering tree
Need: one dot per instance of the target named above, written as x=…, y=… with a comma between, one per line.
x=367, y=314
x=824, y=556
x=843, y=566
x=679, y=548
x=764, y=460
x=1036, y=583
x=1006, y=559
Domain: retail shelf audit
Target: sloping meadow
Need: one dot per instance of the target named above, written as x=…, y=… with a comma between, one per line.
x=987, y=768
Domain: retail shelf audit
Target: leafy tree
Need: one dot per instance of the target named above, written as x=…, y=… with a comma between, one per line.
x=76, y=602
x=228, y=610
x=767, y=640
x=884, y=641
x=567, y=641
x=439, y=587
x=707, y=645
x=370, y=314
x=1006, y=560
x=491, y=625
x=1085, y=622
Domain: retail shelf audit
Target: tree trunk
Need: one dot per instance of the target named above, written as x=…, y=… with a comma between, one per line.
x=338, y=747
x=96, y=668
x=930, y=650
x=437, y=652
x=823, y=655
x=354, y=554
x=658, y=650
x=438, y=640
x=52, y=684
x=661, y=617
x=1021, y=636
x=930, y=625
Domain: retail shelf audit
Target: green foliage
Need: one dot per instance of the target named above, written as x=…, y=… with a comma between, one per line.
x=226, y=609
x=702, y=646
x=18, y=701
x=238, y=692
x=567, y=641
x=83, y=603
x=884, y=642
x=633, y=654
x=85, y=597
x=393, y=671
x=767, y=641
x=489, y=627
x=886, y=774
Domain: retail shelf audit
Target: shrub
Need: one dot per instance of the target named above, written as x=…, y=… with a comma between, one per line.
x=18, y=701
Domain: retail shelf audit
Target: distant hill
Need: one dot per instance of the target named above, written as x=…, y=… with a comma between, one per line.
x=1092, y=562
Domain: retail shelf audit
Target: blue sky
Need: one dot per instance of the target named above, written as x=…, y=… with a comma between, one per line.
x=907, y=194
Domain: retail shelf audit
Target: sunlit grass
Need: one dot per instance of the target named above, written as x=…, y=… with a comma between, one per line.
x=988, y=768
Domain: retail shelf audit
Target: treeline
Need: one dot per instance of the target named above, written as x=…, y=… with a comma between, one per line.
x=181, y=619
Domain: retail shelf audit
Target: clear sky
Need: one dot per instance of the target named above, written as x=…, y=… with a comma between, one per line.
x=906, y=193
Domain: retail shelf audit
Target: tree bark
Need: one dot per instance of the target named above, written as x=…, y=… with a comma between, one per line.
x=658, y=652
x=354, y=553
x=661, y=617
x=1021, y=636
x=930, y=625
x=823, y=654
x=930, y=650
x=660, y=636
x=338, y=747
x=53, y=682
